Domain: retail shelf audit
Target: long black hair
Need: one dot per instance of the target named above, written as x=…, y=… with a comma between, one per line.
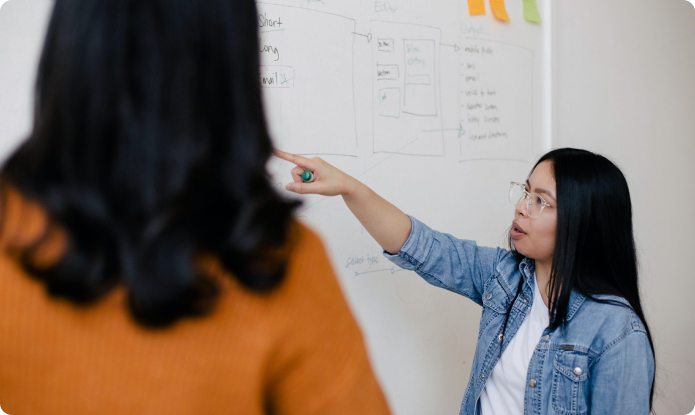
x=594, y=243
x=149, y=146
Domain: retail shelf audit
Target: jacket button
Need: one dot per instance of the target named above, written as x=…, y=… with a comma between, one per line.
x=577, y=371
x=500, y=337
x=489, y=296
x=532, y=383
x=482, y=376
x=546, y=337
x=526, y=299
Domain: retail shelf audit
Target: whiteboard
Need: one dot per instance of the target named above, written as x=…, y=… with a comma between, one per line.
x=435, y=110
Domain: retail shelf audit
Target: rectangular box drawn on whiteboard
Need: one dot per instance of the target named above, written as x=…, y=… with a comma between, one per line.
x=414, y=126
x=385, y=45
x=390, y=102
x=307, y=78
x=417, y=80
x=420, y=95
x=387, y=72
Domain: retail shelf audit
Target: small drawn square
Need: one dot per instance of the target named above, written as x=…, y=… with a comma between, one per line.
x=387, y=72
x=390, y=102
x=385, y=45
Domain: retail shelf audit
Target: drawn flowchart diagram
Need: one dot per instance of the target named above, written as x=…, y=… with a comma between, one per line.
x=406, y=89
x=496, y=100
x=308, y=79
x=306, y=74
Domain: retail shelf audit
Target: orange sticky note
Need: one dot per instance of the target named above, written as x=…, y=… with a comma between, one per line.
x=476, y=7
x=499, y=9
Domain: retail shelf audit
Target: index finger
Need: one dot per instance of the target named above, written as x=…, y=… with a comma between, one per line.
x=298, y=160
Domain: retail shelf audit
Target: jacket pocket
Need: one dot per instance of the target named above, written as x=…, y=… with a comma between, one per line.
x=495, y=297
x=570, y=385
x=495, y=303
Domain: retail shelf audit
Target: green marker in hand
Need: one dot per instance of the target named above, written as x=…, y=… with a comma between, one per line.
x=307, y=176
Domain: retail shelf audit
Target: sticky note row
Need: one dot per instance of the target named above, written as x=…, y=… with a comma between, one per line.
x=477, y=7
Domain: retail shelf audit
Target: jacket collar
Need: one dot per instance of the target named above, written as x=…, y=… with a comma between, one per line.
x=527, y=267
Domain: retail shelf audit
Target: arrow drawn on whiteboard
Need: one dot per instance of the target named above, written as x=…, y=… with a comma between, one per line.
x=455, y=46
x=368, y=36
x=460, y=130
x=392, y=269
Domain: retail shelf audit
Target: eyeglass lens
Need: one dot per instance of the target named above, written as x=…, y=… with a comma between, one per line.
x=533, y=203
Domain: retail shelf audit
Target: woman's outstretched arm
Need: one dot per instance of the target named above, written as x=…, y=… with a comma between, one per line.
x=387, y=224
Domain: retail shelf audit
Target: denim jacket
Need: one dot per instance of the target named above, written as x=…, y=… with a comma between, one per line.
x=601, y=363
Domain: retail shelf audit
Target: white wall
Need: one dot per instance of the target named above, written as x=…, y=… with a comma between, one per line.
x=23, y=26
x=625, y=87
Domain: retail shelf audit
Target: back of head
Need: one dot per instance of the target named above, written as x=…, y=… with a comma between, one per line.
x=149, y=145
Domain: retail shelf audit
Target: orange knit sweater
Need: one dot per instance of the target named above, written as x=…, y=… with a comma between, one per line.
x=297, y=350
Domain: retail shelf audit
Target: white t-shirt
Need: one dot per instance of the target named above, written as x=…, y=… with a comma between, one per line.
x=503, y=393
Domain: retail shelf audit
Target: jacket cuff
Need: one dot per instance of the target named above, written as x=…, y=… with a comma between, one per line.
x=416, y=249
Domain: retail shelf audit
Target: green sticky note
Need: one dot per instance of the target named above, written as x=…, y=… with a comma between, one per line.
x=531, y=11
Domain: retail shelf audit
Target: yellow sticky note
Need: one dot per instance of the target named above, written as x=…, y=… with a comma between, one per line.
x=531, y=11
x=499, y=9
x=476, y=7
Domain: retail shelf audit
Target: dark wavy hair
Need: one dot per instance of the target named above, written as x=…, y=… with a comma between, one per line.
x=149, y=146
x=594, y=244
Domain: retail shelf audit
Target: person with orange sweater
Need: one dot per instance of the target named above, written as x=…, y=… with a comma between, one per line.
x=147, y=264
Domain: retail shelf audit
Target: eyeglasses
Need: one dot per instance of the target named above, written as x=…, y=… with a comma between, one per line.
x=534, y=202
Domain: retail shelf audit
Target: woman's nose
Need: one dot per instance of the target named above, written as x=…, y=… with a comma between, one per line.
x=521, y=207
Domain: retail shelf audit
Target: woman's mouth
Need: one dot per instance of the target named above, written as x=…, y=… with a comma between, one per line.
x=516, y=232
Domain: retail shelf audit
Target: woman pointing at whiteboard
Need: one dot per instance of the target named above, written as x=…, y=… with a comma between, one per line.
x=562, y=329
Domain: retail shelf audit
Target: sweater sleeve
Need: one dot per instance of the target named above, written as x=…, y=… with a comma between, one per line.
x=320, y=365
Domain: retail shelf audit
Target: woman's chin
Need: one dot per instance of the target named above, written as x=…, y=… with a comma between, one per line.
x=521, y=250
